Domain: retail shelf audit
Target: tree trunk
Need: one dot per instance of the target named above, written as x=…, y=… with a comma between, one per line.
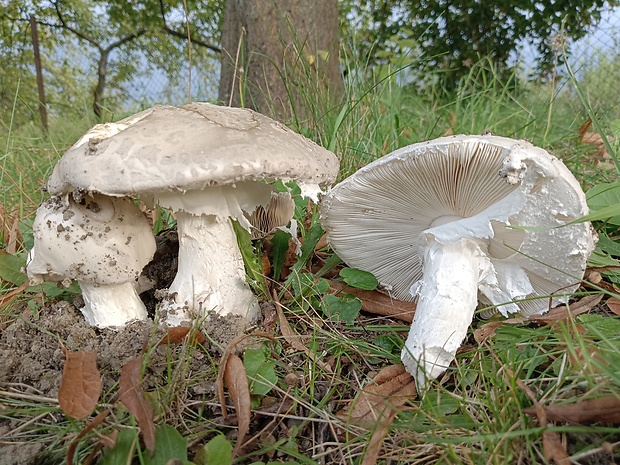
x=280, y=57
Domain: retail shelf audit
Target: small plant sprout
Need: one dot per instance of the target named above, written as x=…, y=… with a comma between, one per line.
x=101, y=242
x=209, y=165
x=435, y=222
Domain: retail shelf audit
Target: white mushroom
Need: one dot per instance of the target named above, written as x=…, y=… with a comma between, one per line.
x=103, y=243
x=433, y=222
x=208, y=164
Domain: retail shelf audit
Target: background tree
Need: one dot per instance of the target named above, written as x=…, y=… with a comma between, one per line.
x=280, y=57
x=454, y=35
x=122, y=39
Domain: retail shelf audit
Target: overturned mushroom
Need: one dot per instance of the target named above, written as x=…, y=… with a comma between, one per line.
x=101, y=242
x=208, y=164
x=433, y=221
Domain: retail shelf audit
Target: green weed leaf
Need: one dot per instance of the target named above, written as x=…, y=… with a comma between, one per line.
x=600, y=326
x=123, y=451
x=10, y=268
x=605, y=196
x=606, y=244
x=307, y=249
x=218, y=451
x=345, y=308
x=279, y=243
x=260, y=370
x=359, y=279
x=251, y=260
x=304, y=285
x=169, y=445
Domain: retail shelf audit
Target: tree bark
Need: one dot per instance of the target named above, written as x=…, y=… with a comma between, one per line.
x=280, y=57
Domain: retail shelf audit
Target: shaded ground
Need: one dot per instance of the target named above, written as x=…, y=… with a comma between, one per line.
x=32, y=361
x=31, y=364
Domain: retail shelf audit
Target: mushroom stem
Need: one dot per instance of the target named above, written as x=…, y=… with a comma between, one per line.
x=448, y=294
x=111, y=304
x=211, y=274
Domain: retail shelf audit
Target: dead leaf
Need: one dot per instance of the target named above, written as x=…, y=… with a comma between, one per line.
x=107, y=441
x=293, y=338
x=378, y=303
x=219, y=383
x=131, y=395
x=181, y=334
x=387, y=392
x=563, y=312
x=376, y=440
x=270, y=319
x=590, y=137
x=603, y=409
x=9, y=296
x=265, y=264
x=91, y=426
x=452, y=122
x=80, y=387
x=9, y=227
x=321, y=243
x=487, y=330
x=239, y=390
x=553, y=448
x=613, y=304
x=552, y=444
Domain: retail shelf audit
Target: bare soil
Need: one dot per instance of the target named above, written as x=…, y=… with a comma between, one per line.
x=32, y=360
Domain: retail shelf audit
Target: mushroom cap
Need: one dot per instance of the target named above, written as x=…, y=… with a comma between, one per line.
x=96, y=239
x=464, y=186
x=168, y=148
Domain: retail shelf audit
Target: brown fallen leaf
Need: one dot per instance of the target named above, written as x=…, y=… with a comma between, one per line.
x=181, y=334
x=219, y=383
x=80, y=387
x=91, y=426
x=106, y=441
x=563, y=312
x=294, y=339
x=376, y=440
x=9, y=227
x=487, y=330
x=452, y=123
x=9, y=296
x=552, y=444
x=388, y=391
x=613, y=304
x=321, y=243
x=378, y=303
x=553, y=449
x=591, y=137
x=603, y=410
x=236, y=380
x=131, y=395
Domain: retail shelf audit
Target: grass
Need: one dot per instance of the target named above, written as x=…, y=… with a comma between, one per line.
x=472, y=414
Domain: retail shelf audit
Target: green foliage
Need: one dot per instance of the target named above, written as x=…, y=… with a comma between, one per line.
x=359, y=279
x=344, y=308
x=260, y=369
x=602, y=196
x=604, y=203
x=453, y=36
x=251, y=259
x=169, y=445
x=218, y=451
x=11, y=267
x=126, y=444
